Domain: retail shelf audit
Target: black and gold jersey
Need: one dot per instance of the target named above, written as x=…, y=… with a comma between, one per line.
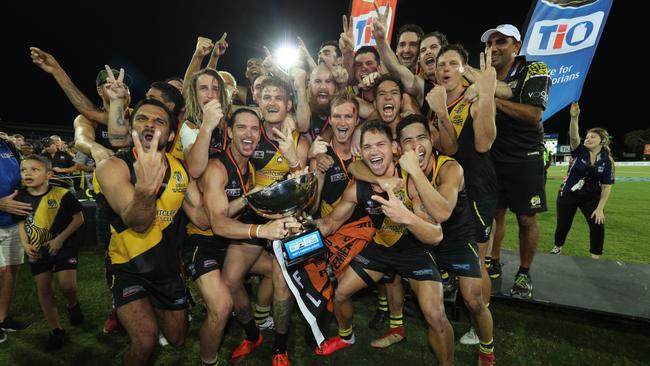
x=480, y=176
x=389, y=233
x=459, y=227
x=270, y=165
x=317, y=125
x=51, y=214
x=156, y=251
x=336, y=180
x=239, y=183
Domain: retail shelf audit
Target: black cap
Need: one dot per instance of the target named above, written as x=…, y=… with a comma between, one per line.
x=103, y=75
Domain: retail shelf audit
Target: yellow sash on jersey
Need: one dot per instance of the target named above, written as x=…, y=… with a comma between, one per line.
x=391, y=232
x=128, y=244
x=39, y=223
x=459, y=114
x=276, y=168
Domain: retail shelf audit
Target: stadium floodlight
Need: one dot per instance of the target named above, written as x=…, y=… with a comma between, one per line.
x=286, y=56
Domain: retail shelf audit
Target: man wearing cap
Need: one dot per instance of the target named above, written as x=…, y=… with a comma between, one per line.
x=91, y=134
x=518, y=149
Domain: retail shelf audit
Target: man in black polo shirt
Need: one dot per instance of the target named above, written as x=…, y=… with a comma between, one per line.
x=62, y=162
x=518, y=149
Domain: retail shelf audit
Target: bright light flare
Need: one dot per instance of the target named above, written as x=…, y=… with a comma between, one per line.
x=286, y=56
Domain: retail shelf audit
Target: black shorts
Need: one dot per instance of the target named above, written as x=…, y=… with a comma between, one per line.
x=483, y=212
x=521, y=186
x=203, y=254
x=65, y=259
x=459, y=258
x=414, y=262
x=165, y=294
x=250, y=217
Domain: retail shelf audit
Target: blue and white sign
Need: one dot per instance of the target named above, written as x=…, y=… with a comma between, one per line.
x=565, y=34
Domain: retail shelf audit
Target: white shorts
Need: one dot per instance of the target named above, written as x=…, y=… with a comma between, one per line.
x=11, y=252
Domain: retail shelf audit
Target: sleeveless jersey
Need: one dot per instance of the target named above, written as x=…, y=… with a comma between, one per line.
x=270, y=165
x=238, y=184
x=480, y=176
x=459, y=227
x=336, y=180
x=156, y=251
x=388, y=233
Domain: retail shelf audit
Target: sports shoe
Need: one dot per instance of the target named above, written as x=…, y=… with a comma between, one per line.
x=495, y=270
x=76, y=316
x=486, y=359
x=112, y=324
x=3, y=335
x=394, y=335
x=378, y=320
x=333, y=344
x=267, y=324
x=12, y=325
x=556, y=250
x=523, y=287
x=470, y=338
x=55, y=340
x=281, y=359
x=244, y=349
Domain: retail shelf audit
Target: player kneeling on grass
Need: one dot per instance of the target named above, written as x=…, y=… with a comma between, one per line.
x=48, y=237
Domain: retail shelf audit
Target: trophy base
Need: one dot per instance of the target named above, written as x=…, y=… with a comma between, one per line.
x=299, y=248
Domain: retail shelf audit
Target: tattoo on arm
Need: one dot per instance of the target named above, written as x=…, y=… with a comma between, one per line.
x=189, y=199
x=120, y=121
x=77, y=98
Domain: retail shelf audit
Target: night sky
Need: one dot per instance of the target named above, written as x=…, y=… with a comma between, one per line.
x=155, y=40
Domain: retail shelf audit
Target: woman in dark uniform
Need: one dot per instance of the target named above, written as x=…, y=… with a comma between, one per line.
x=587, y=185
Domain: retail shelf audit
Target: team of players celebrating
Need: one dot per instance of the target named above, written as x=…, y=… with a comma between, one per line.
x=415, y=152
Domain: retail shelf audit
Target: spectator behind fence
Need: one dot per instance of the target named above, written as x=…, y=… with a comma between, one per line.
x=587, y=185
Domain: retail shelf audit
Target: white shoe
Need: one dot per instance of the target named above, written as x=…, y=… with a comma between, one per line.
x=556, y=250
x=469, y=338
x=268, y=324
x=162, y=340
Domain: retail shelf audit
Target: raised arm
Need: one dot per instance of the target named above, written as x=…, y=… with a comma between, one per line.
x=118, y=132
x=574, y=132
x=311, y=64
x=84, y=137
x=81, y=103
x=413, y=85
x=445, y=139
x=346, y=45
x=303, y=112
x=484, y=111
x=218, y=50
x=203, y=48
x=197, y=154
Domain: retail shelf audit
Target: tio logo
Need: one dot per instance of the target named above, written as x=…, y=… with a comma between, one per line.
x=363, y=27
x=554, y=37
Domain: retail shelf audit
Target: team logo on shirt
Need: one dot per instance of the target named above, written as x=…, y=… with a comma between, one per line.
x=258, y=154
x=180, y=182
x=535, y=201
x=51, y=203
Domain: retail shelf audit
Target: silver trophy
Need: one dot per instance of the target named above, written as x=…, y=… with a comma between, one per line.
x=291, y=197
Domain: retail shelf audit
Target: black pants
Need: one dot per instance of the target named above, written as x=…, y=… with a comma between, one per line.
x=567, y=204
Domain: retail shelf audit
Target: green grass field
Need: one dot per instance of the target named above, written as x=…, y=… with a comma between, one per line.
x=524, y=334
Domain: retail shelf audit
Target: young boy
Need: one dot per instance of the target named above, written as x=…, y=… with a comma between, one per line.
x=48, y=237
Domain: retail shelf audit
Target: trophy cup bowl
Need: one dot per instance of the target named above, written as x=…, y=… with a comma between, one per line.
x=290, y=198
x=285, y=198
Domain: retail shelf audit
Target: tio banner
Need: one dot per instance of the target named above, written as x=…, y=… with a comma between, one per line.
x=362, y=13
x=564, y=34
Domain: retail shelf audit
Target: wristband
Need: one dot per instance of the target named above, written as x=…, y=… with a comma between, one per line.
x=257, y=231
x=250, y=231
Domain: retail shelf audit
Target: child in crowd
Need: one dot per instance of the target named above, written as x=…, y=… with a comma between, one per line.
x=48, y=236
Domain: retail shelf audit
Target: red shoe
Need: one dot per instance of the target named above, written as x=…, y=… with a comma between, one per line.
x=394, y=335
x=281, y=359
x=332, y=345
x=244, y=349
x=112, y=324
x=486, y=359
